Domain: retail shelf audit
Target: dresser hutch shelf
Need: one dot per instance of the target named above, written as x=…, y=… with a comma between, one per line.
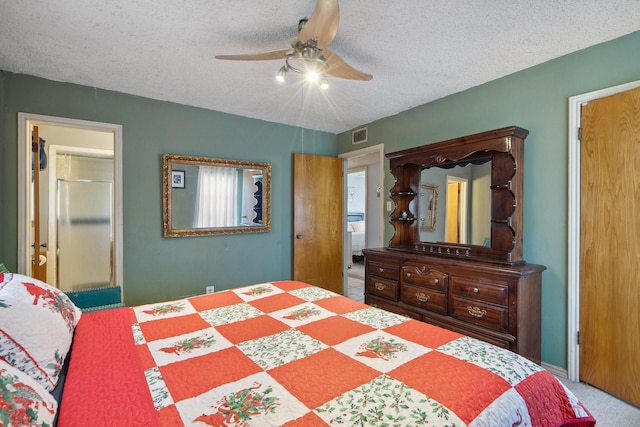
x=487, y=292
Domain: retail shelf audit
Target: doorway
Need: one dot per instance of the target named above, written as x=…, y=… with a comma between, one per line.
x=576, y=241
x=366, y=165
x=95, y=149
x=455, y=220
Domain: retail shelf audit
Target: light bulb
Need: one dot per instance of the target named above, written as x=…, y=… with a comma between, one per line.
x=324, y=84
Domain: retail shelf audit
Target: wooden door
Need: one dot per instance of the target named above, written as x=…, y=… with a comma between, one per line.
x=453, y=212
x=317, y=221
x=610, y=245
x=38, y=258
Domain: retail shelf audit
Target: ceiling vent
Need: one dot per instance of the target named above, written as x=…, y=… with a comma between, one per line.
x=359, y=136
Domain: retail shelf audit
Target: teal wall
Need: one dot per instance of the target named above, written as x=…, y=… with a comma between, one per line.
x=155, y=268
x=536, y=99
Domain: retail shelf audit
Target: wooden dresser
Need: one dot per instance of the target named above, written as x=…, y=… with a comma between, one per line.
x=496, y=303
x=475, y=282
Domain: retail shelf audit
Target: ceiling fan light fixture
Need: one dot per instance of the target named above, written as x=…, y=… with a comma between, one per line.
x=312, y=75
x=280, y=77
x=324, y=84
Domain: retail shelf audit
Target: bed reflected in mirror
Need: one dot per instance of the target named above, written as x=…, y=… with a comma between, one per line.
x=206, y=196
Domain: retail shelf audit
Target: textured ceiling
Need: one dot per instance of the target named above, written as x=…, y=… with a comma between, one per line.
x=417, y=50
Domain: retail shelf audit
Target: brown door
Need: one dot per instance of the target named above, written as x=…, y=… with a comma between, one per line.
x=610, y=245
x=453, y=212
x=317, y=221
x=38, y=264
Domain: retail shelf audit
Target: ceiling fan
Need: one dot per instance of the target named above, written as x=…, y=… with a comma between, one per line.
x=308, y=54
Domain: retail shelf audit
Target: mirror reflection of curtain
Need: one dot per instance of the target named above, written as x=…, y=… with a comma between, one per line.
x=216, y=187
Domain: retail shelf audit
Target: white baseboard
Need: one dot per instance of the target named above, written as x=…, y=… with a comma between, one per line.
x=555, y=370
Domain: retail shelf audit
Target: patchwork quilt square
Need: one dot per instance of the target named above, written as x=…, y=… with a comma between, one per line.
x=192, y=377
x=256, y=292
x=381, y=350
x=255, y=400
x=250, y=329
x=163, y=310
x=166, y=327
x=340, y=305
x=215, y=300
x=467, y=393
x=323, y=376
x=281, y=348
x=301, y=314
x=334, y=330
x=385, y=401
x=376, y=318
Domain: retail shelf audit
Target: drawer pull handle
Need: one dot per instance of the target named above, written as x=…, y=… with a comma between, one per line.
x=476, y=290
x=476, y=311
x=422, y=297
x=408, y=275
x=379, y=286
x=436, y=281
x=380, y=269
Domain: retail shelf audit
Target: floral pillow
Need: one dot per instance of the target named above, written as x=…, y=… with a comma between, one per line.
x=24, y=402
x=36, y=327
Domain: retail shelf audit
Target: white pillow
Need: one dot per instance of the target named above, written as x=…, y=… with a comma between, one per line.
x=36, y=327
x=358, y=226
x=25, y=401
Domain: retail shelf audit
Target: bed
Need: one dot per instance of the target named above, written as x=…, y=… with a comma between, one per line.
x=356, y=226
x=272, y=354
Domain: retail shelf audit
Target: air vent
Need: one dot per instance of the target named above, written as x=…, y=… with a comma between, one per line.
x=359, y=136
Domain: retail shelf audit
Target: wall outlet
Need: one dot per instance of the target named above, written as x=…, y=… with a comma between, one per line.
x=389, y=206
x=210, y=289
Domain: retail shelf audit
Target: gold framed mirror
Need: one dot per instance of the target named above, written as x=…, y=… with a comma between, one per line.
x=428, y=199
x=205, y=196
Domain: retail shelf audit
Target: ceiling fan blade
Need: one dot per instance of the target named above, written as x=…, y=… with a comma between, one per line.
x=264, y=56
x=323, y=24
x=339, y=68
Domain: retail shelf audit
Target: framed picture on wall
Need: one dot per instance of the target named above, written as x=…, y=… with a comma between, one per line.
x=177, y=179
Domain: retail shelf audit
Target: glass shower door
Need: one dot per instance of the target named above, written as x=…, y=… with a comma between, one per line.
x=85, y=234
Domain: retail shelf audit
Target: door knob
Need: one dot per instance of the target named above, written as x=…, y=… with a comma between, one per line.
x=298, y=236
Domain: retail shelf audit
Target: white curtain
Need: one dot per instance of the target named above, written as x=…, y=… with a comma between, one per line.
x=216, y=204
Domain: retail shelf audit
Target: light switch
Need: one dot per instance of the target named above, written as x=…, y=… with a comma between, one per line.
x=389, y=206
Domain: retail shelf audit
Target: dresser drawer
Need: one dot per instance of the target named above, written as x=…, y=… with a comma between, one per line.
x=425, y=298
x=423, y=275
x=378, y=303
x=383, y=269
x=476, y=312
x=491, y=292
x=382, y=287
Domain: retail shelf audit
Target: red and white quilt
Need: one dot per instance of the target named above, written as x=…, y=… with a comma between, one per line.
x=290, y=354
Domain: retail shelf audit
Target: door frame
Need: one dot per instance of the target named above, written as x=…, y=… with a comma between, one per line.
x=374, y=149
x=25, y=121
x=573, y=244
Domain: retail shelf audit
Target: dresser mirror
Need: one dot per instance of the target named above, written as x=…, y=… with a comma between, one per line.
x=205, y=196
x=491, y=163
x=463, y=213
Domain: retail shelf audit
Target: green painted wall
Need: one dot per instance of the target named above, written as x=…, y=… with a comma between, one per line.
x=536, y=99
x=155, y=268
